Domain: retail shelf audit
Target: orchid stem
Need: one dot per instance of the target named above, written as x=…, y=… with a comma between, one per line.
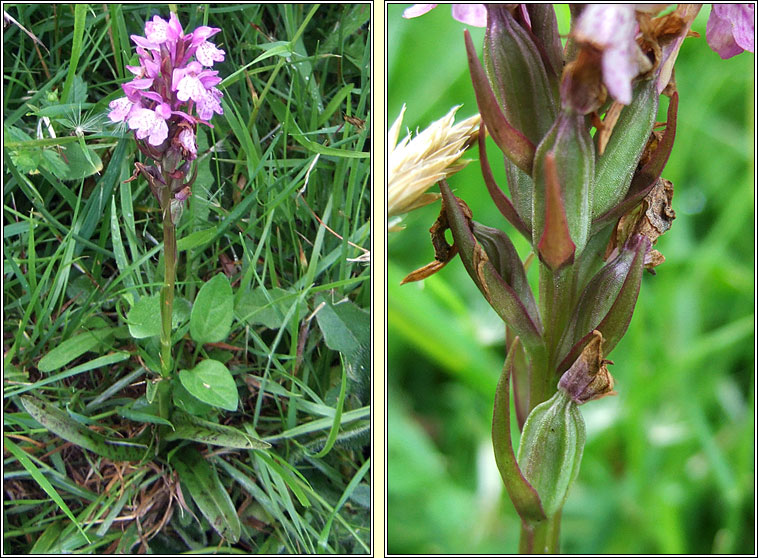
x=542, y=537
x=167, y=293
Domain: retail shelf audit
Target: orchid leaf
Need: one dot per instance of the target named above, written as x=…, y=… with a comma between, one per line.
x=213, y=311
x=212, y=383
x=521, y=493
x=64, y=425
x=203, y=485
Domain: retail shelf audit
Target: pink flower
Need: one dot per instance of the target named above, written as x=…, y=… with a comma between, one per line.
x=172, y=90
x=187, y=141
x=471, y=14
x=159, y=31
x=151, y=124
x=133, y=88
x=192, y=82
x=207, y=53
x=731, y=29
x=120, y=109
x=611, y=28
x=209, y=104
x=202, y=33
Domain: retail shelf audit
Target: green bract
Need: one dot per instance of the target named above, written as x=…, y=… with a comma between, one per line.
x=569, y=142
x=551, y=449
x=616, y=166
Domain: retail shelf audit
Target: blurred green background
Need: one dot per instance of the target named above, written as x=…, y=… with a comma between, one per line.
x=669, y=463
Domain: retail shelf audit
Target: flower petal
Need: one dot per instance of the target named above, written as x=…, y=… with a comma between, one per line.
x=418, y=10
x=207, y=53
x=731, y=29
x=471, y=14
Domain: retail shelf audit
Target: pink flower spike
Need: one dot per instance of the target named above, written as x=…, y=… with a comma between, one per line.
x=731, y=29
x=120, y=109
x=148, y=123
x=471, y=14
x=418, y=10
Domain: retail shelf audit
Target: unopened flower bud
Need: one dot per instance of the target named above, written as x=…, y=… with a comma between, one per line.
x=607, y=302
x=570, y=147
x=551, y=447
x=517, y=72
x=616, y=166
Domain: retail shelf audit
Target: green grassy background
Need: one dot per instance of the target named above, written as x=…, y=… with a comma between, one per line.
x=78, y=252
x=669, y=463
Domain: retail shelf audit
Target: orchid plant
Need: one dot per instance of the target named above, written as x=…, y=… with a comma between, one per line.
x=173, y=92
x=584, y=155
x=171, y=82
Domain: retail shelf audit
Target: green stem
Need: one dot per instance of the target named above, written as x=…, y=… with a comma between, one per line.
x=167, y=296
x=556, y=294
x=542, y=537
x=556, y=289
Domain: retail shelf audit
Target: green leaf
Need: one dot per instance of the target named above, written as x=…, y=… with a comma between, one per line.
x=60, y=423
x=81, y=162
x=80, y=16
x=144, y=318
x=212, y=313
x=347, y=329
x=276, y=48
x=189, y=427
x=186, y=402
x=523, y=495
x=142, y=411
x=195, y=239
x=72, y=348
x=211, y=382
x=266, y=307
x=205, y=488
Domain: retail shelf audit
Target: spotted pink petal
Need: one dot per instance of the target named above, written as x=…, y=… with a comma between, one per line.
x=190, y=87
x=120, y=109
x=187, y=140
x=207, y=53
x=156, y=31
x=148, y=124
